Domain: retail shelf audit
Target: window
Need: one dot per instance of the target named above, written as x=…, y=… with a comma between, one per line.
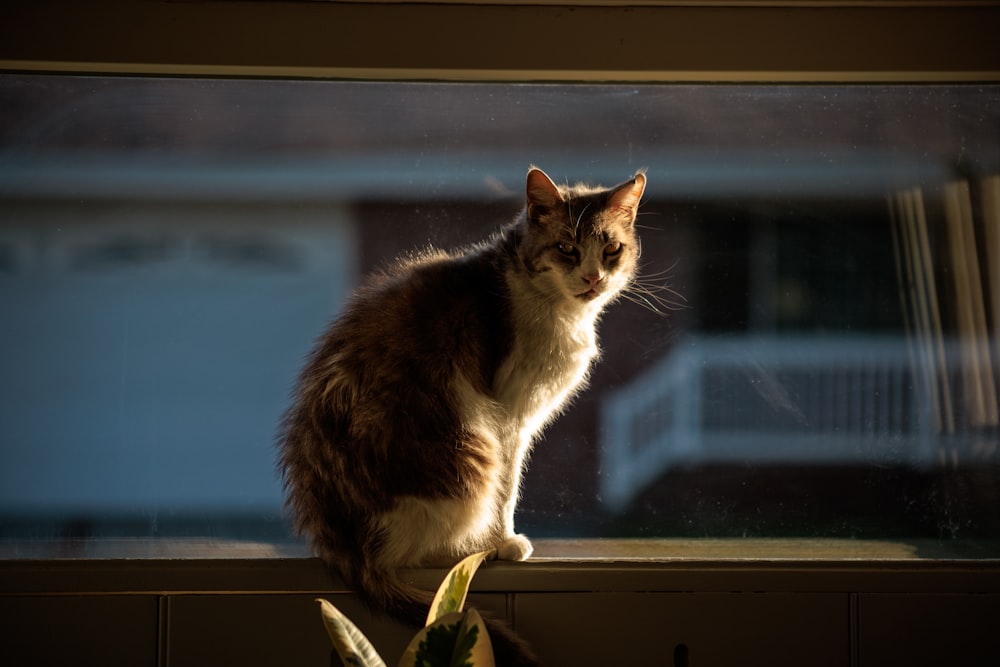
x=817, y=357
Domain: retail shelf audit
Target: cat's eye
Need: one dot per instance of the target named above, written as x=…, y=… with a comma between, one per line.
x=566, y=248
x=612, y=249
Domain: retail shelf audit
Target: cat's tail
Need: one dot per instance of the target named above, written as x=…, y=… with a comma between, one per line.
x=386, y=591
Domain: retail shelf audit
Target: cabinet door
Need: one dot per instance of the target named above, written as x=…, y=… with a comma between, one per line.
x=928, y=629
x=278, y=630
x=687, y=629
x=106, y=630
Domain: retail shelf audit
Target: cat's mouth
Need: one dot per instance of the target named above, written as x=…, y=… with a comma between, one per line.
x=589, y=295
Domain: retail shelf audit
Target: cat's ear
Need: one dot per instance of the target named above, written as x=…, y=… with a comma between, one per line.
x=625, y=197
x=543, y=195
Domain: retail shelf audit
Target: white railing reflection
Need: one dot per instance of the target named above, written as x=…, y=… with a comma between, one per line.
x=781, y=400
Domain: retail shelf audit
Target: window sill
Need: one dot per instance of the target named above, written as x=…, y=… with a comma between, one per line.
x=546, y=550
x=709, y=565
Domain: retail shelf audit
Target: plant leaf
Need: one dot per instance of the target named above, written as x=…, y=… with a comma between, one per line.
x=451, y=594
x=454, y=640
x=473, y=647
x=433, y=645
x=351, y=644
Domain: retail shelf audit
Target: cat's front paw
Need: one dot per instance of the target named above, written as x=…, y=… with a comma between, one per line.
x=515, y=547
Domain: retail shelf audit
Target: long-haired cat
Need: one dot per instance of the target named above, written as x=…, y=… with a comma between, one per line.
x=415, y=414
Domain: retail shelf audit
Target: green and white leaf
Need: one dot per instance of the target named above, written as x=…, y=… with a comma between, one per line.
x=473, y=647
x=351, y=644
x=458, y=639
x=454, y=589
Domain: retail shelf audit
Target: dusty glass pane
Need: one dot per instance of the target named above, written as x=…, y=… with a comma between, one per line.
x=812, y=353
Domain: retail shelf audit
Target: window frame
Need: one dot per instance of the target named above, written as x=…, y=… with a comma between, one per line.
x=633, y=41
x=593, y=40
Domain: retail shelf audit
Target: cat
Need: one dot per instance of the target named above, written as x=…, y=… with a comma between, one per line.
x=415, y=414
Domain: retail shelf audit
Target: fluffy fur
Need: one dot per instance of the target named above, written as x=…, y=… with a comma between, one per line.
x=414, y=416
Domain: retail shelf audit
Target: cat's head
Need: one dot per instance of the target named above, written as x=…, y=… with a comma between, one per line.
x=580, y=242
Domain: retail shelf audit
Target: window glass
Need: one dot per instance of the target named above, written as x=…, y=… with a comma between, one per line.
x=811, y=349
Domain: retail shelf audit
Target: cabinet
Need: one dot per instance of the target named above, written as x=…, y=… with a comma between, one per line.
x=746, y=629
x=106, y=630
x=917, y=629
x=262, y=612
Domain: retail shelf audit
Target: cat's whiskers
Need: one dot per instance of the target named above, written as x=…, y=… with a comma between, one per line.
x=578, y=220
x=666, y=274
x=646, y=291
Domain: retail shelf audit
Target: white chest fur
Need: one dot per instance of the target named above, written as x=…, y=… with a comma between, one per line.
x=549, y=361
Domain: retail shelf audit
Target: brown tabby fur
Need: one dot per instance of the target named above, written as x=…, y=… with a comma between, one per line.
x=415, y=414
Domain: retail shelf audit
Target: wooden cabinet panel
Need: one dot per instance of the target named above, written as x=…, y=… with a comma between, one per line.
x=79, y=630
x=928, y=629
x=696, y=629
x=278, y=630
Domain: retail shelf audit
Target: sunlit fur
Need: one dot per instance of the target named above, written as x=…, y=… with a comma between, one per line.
x=415, y=415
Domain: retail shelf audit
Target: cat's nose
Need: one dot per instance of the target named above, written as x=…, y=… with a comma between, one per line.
x=593, y=278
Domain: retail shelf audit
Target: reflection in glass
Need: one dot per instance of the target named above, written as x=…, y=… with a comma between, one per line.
x=826, y=365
